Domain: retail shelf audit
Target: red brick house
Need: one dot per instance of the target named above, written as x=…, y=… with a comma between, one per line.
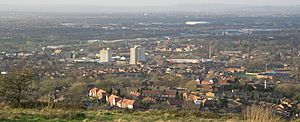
x=113, y=99
x=93, y=92
x=98, y=93
x=127, y=103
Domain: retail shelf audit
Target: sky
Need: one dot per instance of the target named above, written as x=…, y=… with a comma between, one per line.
x=144, y=5
x=145, y=2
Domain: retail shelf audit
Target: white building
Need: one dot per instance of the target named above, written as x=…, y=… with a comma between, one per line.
x=196, y=22
x=105, y=56
x=137, y=55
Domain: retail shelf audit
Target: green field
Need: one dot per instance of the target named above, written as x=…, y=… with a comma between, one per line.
x=30, y=115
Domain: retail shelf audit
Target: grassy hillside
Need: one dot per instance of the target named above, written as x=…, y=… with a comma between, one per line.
x=30, y=115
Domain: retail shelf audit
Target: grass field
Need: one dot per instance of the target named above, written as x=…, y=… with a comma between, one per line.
x=46, y=115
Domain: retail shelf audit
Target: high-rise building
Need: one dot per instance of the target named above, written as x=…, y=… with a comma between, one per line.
x=137, y=55
x=105, y=55
x=73, y=54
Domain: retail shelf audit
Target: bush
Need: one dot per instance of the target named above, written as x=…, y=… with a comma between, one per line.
x=108, y=114
x=78, y=115
x=256, y=113
x=288, y=90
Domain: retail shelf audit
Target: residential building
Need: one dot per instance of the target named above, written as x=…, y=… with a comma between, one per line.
x=127, y=103
x=105, y=55
x=98, y=93
x=137, y=55
x=113, y=99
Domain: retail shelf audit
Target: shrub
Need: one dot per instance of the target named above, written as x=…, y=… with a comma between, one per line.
x=78, y=115
x=256, y=113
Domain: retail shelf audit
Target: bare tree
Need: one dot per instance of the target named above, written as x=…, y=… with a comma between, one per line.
x=15, y=87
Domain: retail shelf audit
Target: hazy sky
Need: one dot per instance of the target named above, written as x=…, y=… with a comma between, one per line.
x=146, y=5
x=146, y=2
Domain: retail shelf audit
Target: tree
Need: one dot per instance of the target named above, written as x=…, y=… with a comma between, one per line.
x=288, y=90
x=75, y=94
x=297, y=97
x=110, y=91
x=249, y=88
x=15, y=87
x=139, y=91
x=119, y=92
x=235, y=85
x=223, y=102
x=47, y=89
x=177, y=95
x=189, y=105
x=190, y=85
x=252, y=95
x=147, y=102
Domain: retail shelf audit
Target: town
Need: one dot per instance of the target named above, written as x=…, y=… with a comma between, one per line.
x=219, y=66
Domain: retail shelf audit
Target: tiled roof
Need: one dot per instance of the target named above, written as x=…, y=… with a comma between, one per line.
x=127, y=101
